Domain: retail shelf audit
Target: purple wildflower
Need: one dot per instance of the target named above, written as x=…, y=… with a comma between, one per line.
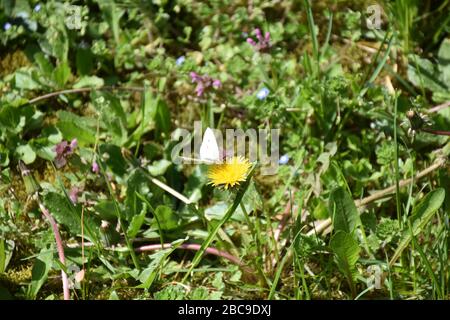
x=263, y=43
x=95, y=167
x=217, y=84
x=204, y=82
x=7, y=26
x=73, y=194
x=63, y=150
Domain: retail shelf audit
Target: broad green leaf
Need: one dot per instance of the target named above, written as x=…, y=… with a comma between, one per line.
x=62, y=210
x=343, y=210
x=12, y=119
x=26, y=153
x=166, y=218
x=73, y=126
x=44, y=64
x=39, y=273
x=24, y=80
x=106, y=210
x=59, y=207
x=218, y=210
x=347, y=250
x=444, y=61
x=61, y=74
x=421, y=215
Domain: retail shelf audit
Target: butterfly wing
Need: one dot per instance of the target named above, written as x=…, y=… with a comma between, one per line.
x=209, y=150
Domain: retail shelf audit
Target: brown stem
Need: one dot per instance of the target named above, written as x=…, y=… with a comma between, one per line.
x=59, y=247
x=81, y=90
x=439, y=107
x=185, y=246
x=436, y=132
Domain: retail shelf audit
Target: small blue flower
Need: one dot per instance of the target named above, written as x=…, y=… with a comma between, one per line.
x=37, y=8
x=284, y=159
x=180, y=60
x=7, y=26
x=263, y=93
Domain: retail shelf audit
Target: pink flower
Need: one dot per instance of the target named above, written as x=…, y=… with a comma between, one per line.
x=95, y=167
x=217, y=84
x=263, y=43
x=204, y=82
x=63, y=150
x=73, y=194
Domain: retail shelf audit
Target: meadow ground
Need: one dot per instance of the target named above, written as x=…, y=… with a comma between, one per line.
x=342, y=191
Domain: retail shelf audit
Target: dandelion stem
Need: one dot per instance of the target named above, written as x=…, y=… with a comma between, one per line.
x=216, y=228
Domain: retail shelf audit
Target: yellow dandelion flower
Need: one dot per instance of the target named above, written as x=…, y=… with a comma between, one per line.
x=230, y=173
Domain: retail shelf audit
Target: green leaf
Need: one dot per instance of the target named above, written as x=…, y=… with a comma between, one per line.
x=24, y=80
x=39, y=273
x=92, y=81
x=421, y=215
x=136, y=223
x=105, y=209
x=166, y=218
x=347, y=250
x=26, y=153
x=60, y=209
x=422, y=72
x=159, y=167
x=12, y=119
x=148, y=275
x=84, y=61
x=146, y=115
x=342, y=207
x=61, y=74
x=444, y=61
x=113, y=159
x=73, y=126
x=163, y=117
x=137, y=183
x=44, y=64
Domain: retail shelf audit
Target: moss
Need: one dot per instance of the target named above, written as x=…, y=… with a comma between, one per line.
x=13, y=61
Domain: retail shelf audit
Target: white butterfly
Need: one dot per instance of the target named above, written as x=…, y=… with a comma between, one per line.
x=209, y=150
